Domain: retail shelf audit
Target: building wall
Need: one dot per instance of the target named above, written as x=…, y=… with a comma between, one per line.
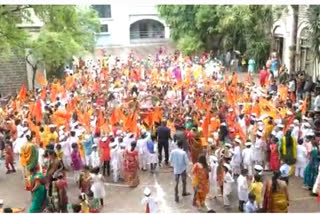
x=122, y=16
x=285, y=23
x=13, y=75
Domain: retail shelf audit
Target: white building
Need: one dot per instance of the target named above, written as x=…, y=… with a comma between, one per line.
x=129, y=25
x=282, y=34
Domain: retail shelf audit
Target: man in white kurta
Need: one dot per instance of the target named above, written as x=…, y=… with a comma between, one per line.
x=213, y=176
x=243, y=189
x=247, y=156
x=227, y=186
x=236, y=158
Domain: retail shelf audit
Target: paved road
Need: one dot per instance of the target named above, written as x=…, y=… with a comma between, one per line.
x=121, y=198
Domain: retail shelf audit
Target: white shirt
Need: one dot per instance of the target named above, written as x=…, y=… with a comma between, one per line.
x=153, y=206
x=295, y=133
x=247, y=156
x=95, y=159
x=302, y=155
x=236, y=158
x=227, y=186
x=243, y=188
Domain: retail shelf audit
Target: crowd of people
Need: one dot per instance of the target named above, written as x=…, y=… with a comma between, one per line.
x=115, y=117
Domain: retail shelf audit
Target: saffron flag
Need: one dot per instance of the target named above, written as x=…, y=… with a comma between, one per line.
x=38, y=111
x=41, y=80
x=23, y=93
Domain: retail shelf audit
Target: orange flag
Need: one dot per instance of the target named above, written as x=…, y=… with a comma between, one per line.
x=157, y=115
x=304, y=106
x=69, y=82
x=283, y=91
x=113, y=118
x=38, y=111
x=205, y=126
x=234, y=80
x=23, y=93
x=41, y=80
x=43, y=94
x=100, y=120
x=239, y=130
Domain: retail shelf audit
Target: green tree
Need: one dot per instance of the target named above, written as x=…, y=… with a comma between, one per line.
x=68, y=31
x=246, y=28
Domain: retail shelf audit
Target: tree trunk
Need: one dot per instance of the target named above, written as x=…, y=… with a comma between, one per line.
x=295, y=9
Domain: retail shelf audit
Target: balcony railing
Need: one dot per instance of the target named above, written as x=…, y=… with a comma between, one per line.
x=146, y=35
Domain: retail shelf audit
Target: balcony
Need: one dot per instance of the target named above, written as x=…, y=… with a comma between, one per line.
x=147, y=37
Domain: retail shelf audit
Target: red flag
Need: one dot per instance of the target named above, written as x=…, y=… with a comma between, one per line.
x=23, y=93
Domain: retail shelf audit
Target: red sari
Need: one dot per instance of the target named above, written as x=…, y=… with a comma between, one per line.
x=131, y=167
x=274, y=157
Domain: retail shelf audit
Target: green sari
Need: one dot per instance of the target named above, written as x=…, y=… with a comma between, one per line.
x=39, y=195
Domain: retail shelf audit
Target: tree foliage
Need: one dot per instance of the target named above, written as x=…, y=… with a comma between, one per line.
x=68, y=31
x=246, y=28
x=313, y=19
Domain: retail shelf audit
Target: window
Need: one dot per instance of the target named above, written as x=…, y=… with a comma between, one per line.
x=104, y=11
x=104, y=28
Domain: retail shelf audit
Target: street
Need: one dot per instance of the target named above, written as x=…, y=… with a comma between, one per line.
x=121, y=198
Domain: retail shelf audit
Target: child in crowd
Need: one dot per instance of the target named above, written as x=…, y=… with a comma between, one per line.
x=251, y=206
x=9, y=158
x=152, y=153
x=256, y=188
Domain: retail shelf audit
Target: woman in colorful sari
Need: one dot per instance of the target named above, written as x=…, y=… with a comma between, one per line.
x=276, y=197
x=29, y=157
x=38, y=191
x=311, y=171
x=131, y=166
x=288, y=149
x=200, y=180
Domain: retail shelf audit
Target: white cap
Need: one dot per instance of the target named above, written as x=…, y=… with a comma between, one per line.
x=213, y=158
x=227, y=166
x=1, y=201
x=248, y=144
x=259, y=134
x=122, y=144
x=289, y=113
x=118, y=132
x=61, y=127
x=112, y=145
x=228, y=145
x=210, y=140
x=307, y=125
x=87, y=137
x=238, y=140
x=147, y=191
x=310, y=134
x=104, y=139
x=258, y=168
x=280, y=125
x=296, y=122
x=223, y=124
x=94, y=145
